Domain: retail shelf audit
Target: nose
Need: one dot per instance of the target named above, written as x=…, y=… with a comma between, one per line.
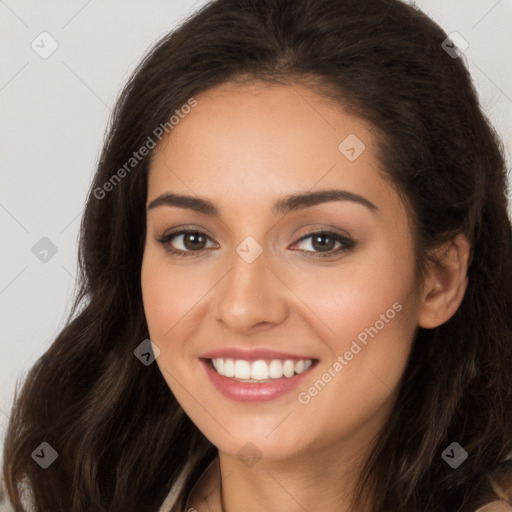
x=251, y=296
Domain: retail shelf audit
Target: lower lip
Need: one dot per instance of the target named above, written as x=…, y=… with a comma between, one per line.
x=254, y=391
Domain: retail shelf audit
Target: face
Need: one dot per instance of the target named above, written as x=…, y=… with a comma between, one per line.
x=313, y=301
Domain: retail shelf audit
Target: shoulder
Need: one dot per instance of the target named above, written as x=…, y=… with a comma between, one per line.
x=207, y=483
x=172, y=502
x=495, y=506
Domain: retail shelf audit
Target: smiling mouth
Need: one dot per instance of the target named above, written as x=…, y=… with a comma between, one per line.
x=260, y=370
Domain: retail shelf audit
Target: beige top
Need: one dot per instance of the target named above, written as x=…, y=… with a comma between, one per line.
x=205, y=495
x=495, y=506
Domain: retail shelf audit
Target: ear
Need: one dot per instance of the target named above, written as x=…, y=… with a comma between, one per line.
x=445, y=284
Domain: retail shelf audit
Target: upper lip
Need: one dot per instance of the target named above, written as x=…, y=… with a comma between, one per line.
x=252, y=354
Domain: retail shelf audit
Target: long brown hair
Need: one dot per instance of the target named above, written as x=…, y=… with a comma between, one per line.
x=121, y=437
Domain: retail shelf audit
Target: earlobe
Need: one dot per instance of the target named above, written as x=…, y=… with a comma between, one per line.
x=445, y=283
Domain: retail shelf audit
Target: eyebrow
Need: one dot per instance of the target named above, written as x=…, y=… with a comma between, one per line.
x=284, y=205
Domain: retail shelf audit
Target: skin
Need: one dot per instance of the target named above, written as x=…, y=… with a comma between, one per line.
x=243, y=147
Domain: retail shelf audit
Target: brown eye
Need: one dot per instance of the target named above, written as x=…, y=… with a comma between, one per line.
x=323, y=243
x=187, y=242
x=194, y=240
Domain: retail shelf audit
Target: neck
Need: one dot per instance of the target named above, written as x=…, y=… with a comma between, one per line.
x=321, y=479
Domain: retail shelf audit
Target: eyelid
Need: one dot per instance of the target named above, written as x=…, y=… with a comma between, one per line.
x=182, y=230
x=343, y=238
x=324, y=229
x=346, y=242
x=166, y=238
x=188, y=231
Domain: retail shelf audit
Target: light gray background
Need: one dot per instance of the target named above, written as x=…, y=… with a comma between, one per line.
x=54, y=114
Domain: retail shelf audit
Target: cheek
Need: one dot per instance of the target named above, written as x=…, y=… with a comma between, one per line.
x=366, y=289
x=366, y=315
x=169, y=294
x=371, y=316
x=157, y=294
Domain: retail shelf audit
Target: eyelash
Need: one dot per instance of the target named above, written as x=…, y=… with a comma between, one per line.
x=347, y=243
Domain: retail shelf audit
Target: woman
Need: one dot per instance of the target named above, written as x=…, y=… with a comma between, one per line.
x=342, y=338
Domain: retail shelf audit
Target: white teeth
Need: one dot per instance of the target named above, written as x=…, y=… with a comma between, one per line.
x=299, y=366
x=242, y=369
x=229, y=368
x=288, y=368
x=275, y=369
x=260, y=370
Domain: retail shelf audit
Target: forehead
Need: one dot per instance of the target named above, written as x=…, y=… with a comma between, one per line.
x=250, y=141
